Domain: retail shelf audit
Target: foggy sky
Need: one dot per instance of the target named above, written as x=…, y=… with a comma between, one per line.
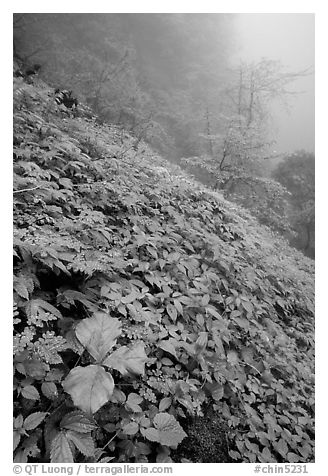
x=288, y=37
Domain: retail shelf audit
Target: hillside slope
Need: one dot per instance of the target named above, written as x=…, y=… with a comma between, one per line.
x=142, y=300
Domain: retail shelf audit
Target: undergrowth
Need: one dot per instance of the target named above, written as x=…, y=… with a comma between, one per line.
x=143, y=303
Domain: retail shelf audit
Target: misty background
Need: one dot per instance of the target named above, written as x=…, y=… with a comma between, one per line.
x=289, y=38
x=228, y=97
x=248, y=37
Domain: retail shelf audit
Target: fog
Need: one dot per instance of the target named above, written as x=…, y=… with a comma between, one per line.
x=289, y=38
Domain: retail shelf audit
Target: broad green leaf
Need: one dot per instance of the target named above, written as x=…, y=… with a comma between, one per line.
x=49, y=390
x=172, y=312
x=243, y=323
x=21, y=289
x=165, y=403
x=178, y=306
x=293, y=458
x=152, y=251
x=232, y=357
x=205, y=300
x=150, y=433
x=54, y=375
x=83, y=442
x=34, y=368
x=142, y=448
x=248, y=306
x=30, y=392
x=131, y=428
x=77, y=421
x=234, y=314
x=185, y=300
x=60, y=450
x=266, y=456
x=168, y=347
x=213, y=312
x=145, y=422
x=34, y=420
x=131, y=297
x=305, y=450
x=17, y=437
x=118, y=396
x=217, y=391
x=133, y=402
x=218, y=342
x=18, y=421
x=167, y=432
x=281, y=446
x=234, y=454
x=90, y=387
x=201, y=342
x=200, y=319
x=166, y=361
x=98, y=334
x=128, y=360
x=67, y=183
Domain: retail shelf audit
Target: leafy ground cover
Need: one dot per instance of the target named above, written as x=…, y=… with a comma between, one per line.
x=145, y=304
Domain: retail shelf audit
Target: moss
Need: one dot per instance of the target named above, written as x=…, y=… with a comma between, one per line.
x=207, y=441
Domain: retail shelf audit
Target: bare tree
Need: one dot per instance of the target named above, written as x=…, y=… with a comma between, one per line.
x=245, y=138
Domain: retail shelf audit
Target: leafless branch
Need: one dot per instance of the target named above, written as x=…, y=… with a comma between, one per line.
x=27, y=189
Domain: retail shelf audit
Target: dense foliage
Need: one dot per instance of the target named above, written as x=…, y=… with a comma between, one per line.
x=143, y=301
x=264, y=197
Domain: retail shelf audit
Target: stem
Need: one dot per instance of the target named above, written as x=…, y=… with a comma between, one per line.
x=27, y=189
x=78, y=360
x=109, y=441
x=223, y=156
x=252, y=366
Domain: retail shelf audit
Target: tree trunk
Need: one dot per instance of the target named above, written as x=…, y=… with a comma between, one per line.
x=240, y=93
x=208, y=132
x=251, y=100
